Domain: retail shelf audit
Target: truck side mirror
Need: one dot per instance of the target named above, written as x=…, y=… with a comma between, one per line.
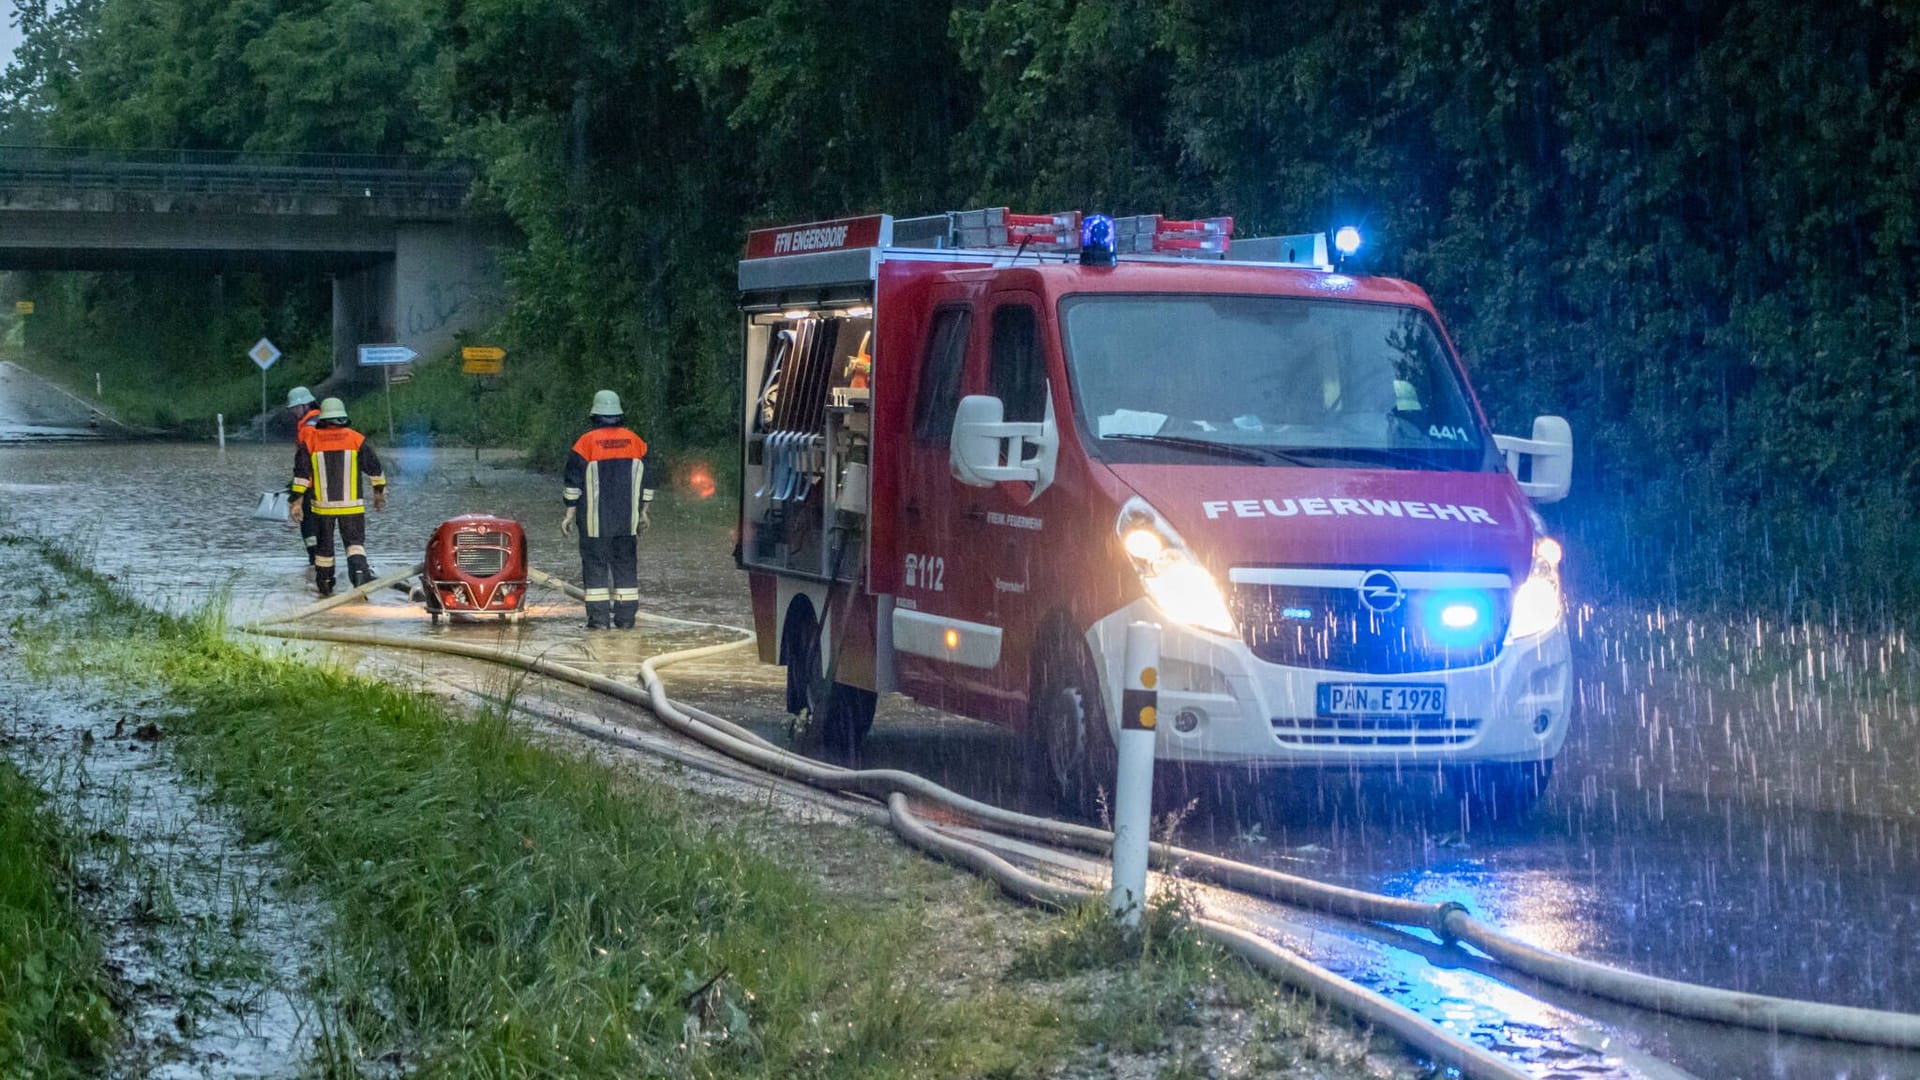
x=1551, y=453
x=986, y=450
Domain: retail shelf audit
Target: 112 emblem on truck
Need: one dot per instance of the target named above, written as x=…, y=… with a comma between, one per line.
x=976, y=445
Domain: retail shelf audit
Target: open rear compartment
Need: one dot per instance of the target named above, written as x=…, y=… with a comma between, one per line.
x=809, y=428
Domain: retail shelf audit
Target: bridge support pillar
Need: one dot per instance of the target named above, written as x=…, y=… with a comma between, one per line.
x=442, y=281
x=363, y=314
x=446, y=283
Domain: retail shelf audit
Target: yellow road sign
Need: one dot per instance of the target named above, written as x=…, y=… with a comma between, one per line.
x=23, y=307
x=471, y=366
x=483, y=352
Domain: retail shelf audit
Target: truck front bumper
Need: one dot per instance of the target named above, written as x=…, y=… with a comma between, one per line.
x=1238, y=709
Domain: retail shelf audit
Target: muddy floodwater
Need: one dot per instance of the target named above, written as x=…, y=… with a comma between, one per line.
x=1738, y=803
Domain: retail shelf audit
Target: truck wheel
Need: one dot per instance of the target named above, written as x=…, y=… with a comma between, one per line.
x=1068, y=717
x=831, y=717
x=1502, y=792
x=839, y=717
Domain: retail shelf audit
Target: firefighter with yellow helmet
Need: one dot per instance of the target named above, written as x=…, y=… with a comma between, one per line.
x=607, y=488
x=327, y=472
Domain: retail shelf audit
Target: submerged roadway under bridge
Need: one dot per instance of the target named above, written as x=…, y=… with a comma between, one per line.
x=411, y=263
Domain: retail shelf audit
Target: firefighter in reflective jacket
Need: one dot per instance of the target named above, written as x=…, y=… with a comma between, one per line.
x=608, y=487
x=305, y=414
x=327, y=469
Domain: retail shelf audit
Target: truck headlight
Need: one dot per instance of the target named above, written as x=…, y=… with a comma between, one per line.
x=1536, y=603
x=1175, y=581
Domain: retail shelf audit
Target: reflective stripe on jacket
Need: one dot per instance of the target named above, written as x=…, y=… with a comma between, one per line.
x=330, y=462
x=607, y=471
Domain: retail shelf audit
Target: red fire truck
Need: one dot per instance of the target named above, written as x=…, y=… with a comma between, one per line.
x=977, y=445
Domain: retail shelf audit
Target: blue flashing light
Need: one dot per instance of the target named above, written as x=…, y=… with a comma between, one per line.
x=1346, y=240
x=1298, y=614
x=1096, y=241
x=1458, y=618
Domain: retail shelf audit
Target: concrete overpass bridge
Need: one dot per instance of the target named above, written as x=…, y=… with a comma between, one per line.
x=409, y=262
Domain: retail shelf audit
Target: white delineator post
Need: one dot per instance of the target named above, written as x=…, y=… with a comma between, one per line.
x=1133, y=781
x=220, y=428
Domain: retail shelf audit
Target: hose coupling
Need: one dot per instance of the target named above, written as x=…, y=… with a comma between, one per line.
x=1440, y=913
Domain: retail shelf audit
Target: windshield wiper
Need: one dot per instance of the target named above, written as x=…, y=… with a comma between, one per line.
x=1409, y=459
x=1257, y=454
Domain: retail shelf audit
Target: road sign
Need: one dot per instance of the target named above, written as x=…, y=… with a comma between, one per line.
x=23, y=307
x=385, y=355
x=482, y=359
x=263, y=354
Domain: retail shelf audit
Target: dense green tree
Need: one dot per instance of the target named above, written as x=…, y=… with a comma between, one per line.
x=326, y=76
x=44, y=64
x=1692, y=227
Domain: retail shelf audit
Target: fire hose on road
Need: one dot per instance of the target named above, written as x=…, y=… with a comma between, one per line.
x=1451, y=922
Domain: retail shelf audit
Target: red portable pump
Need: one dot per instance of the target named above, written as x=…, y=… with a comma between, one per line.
x=477, y=565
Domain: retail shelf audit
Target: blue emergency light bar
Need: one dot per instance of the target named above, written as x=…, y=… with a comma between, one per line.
x=1096, y=240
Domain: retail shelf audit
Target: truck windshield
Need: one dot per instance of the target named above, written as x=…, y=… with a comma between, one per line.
x=1296, y=382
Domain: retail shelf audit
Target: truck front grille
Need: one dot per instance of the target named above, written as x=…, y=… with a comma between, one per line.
x=1374, y=731
x=480, y=554
x=1331, y=629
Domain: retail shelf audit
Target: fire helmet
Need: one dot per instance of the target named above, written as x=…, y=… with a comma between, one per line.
x=333, y=409
x=299, y=396
x=606, y=403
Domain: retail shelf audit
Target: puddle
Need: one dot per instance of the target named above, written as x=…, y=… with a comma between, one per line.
x=210, y=953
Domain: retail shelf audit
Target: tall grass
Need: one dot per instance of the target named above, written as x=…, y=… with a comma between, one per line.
x=55, y=1018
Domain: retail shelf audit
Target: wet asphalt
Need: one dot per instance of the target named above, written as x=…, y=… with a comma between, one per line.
x=1736, y=805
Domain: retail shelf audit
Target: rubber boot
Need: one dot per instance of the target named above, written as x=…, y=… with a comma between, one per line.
x=358, y=572
x=597, y=614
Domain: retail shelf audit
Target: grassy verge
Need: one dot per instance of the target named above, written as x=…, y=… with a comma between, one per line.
x=55, y=1020
x=1168, y=995
x=508, y=909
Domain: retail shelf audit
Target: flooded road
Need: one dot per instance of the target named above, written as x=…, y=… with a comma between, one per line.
x=33, y=409
x=1736, y=804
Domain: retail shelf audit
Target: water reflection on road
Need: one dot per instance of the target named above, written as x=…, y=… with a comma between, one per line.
x=35, y=410
x=1719, y=815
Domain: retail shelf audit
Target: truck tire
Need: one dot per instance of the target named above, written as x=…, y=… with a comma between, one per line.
x=1499, y=792
x=1075, y=755
x=830, y=717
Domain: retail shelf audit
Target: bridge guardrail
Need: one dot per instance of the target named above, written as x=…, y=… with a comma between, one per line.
x=232, y=172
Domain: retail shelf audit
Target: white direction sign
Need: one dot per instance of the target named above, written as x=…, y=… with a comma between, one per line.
x=263, y=353
x=385, y=355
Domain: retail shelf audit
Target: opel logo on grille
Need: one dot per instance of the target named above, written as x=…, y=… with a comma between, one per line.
x=1381, y=592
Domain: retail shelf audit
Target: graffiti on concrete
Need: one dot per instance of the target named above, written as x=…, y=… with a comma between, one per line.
x=443, y=303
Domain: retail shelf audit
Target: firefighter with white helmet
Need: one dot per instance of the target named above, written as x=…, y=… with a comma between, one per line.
x=608, y=486
x=306, y=413
x=327, y=469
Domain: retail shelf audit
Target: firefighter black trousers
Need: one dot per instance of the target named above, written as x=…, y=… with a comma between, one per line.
x=309, y=526
x=610, y=574
x=353, y=534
